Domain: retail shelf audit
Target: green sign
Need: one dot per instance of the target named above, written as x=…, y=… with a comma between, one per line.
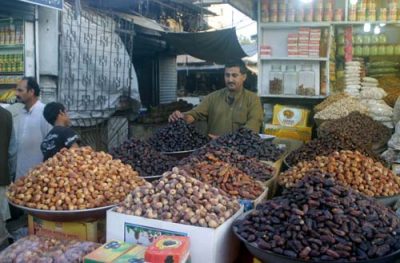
x=56, y=4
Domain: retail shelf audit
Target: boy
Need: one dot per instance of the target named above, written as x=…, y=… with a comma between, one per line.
x=61, y=136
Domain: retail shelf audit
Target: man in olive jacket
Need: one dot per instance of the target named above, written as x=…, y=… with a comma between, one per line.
x=6, y=133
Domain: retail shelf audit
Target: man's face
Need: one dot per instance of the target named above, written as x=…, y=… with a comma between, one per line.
x=65, y=118
x=22, y=92
x=234, y=79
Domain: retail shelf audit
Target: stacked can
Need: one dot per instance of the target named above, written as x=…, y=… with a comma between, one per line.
x=318, y=10
x=265, y=11
x=339, y=14
x=291, y=11
x=392, y=13
x=328, y=10
x=282, y=12
x=273, y=11
x=299, y=16
x=308, y=13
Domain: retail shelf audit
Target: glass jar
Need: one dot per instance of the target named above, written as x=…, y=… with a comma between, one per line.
x=373, y=51
x=357, y=50
x=366, y=51
x=382, y=39
x=367, y=39
x=397, y=49
x=306, y=81
x=290, y=80
x=374, y=39
x=381, y=50
x=358, y=39
x=390, y=50
x=276, y=80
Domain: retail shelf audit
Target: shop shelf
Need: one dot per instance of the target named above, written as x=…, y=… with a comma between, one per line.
x=11, y=73
x=280, y=25
x=295, y=59
x=293, y=96
x=14, y=46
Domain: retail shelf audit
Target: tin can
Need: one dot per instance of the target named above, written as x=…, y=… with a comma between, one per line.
x=290, y=15
x=328, y=14
x=319, y=4
x=338, y=14
x=318, y=14
x=382, y=14
x=299, y=16
x=308, y=14
x=371, y=14
x=361, y=12
x=265, y=11
x=273, y=15
x=282, y=15
x=353, y=14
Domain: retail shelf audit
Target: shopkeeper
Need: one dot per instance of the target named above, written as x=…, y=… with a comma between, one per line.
x=227, y=109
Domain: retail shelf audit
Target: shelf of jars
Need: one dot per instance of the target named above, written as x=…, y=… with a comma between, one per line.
x=294, y=58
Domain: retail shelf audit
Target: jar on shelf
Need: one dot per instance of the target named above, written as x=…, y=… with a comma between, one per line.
x=381, y=50
x=389, y=50
x=276, y=80
x=290, y=80
x=382, y=39
x=373, y=51
x=397, y=49
x=371, y=14
x=361, y=12
x=357, y=50
x=306, y=84
x=366, y=51
x=299, y=14
x=382, y=14
x=374, y=39
x=366, y=39
x=358, y=39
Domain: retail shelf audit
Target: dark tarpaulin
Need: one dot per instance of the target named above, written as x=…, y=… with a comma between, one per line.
x=218, y=46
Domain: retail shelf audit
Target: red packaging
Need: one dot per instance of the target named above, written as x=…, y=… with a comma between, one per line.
x=176, y=248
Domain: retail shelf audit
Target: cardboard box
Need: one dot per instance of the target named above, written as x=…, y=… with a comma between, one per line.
x=206, y=244
x=290, y=116
x=135, y=254
x=296, y=133
x=108, y=252
x=82, y=230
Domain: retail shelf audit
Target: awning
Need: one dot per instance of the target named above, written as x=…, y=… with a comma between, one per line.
x=218, y=46
x=56, y=4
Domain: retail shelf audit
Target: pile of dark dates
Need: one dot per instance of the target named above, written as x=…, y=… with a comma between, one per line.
x=249, y=143
x=177, y=136
x=143, y=158
x=321, y=220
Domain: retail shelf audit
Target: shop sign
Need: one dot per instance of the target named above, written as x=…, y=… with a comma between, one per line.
x=56, y=4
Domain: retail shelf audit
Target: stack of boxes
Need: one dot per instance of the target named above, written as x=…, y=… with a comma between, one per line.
x=305, y=43
x=265, y=51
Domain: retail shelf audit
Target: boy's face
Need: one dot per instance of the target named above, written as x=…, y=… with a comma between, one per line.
x=65, y=118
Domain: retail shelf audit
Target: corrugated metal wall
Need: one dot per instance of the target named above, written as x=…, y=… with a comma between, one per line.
x=17, y=10
x=168, y=79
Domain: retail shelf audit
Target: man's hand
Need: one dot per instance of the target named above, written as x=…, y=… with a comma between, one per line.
x=176, y=115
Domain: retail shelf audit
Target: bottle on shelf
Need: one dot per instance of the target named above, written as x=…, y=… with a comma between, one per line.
x=276, y=80
x=306, y=86
x=290, y=80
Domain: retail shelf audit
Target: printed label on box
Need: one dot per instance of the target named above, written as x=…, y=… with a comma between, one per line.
x=144, y=235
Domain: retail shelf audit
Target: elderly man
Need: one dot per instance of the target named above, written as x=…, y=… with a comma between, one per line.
x=227, y=109
x=32, y=126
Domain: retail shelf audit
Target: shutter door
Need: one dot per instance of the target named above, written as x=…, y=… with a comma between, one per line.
x=168, y=79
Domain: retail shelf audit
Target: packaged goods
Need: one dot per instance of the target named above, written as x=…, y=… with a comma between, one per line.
x=330, y=100
x=361, y=128
x=108, y=252
x=212, y=153
x=294, y=133
x=321, y=220
x=73, y=179
x=340, y=109
x=177, y=136
x=168, y=249
x=179, y=198
x=290, y=116
x=42, y=249
x=143, y=158
x=136, y=254
x=223, y=176
x=373, y=93
x=250, y=144
x=352, y=169
x=325, y=146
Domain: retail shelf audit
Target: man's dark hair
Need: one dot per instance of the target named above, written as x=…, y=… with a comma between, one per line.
x=31, y=83
x=237, y=63
x=52, y=110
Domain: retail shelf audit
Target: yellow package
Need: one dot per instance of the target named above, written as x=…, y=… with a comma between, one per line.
x=296, y=133
x=290, y=116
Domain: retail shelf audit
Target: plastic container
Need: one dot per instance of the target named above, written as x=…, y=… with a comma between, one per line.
x=290, y=80
x=276, y=80
x=306, y=80
x=390, y=50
